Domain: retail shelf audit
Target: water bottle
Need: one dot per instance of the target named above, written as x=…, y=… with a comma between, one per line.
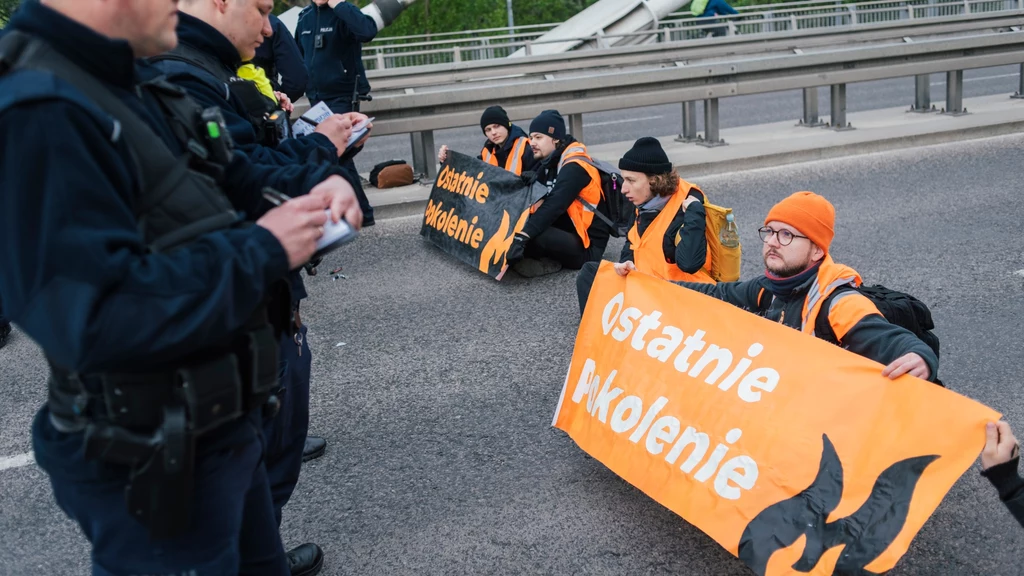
x=729, y=236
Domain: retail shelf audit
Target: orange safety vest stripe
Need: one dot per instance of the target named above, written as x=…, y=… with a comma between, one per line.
x=514, y=162
x=648, y=255
x=830, y=277
x=847, y=310
x=581, y=214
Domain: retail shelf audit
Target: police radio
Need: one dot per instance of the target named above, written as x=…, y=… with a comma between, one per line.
x=218, y=139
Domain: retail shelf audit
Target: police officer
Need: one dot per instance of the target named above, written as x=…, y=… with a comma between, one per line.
x=330, y=35
x=214, y=39
x=282, y=61
x=5, y=326
x=155, y=303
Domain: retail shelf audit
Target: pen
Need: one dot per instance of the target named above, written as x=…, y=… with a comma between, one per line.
x=274, y=197
x=312, y=123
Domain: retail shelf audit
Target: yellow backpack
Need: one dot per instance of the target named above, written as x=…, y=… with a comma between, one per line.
x=725, y=261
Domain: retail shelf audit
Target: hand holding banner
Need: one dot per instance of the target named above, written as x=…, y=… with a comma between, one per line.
x=790, y=452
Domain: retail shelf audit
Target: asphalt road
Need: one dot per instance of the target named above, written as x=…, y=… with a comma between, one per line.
x=435, y=387
x=666, y=120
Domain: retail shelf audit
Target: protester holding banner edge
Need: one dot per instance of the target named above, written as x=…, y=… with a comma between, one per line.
x=666, y=206
x=999, y=461
x=562, y=232
x=506, y=146
x=801, y=281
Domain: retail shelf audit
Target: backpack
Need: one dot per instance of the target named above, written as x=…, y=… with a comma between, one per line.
x=620, y=210
x=391, y=173
x=725, y=261
x=898, y=308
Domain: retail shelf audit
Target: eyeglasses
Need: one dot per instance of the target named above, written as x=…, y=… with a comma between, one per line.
x=785, y=236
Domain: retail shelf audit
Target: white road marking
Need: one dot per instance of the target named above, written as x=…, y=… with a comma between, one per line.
x=943, y=83
x=623, y=121
x=16, y=461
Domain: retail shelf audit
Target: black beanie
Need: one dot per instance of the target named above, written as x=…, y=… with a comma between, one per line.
x=549, y=123
x=646, y=156
x=495, y=115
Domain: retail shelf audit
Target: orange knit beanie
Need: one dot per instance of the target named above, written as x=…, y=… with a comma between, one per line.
x=810, y=214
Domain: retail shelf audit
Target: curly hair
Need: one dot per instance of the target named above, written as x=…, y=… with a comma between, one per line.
x=664, y=184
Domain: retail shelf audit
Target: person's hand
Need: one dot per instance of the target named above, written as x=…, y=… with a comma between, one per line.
x=517, y=251
x=338, y=129
x=442, y=154
x=1000, y=445
x=357, y=118
x=284, y=102
x=624, y=268
x=909, y=363
x=297, y=224
x=689, y=200
x=341, y=198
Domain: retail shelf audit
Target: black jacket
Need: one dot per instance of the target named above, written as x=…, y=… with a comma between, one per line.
x=565, y=188
x=76, y=275
x=872, y=336
x=692, y=250
x=1010, y=485
x=335, y=65
x=279, y=55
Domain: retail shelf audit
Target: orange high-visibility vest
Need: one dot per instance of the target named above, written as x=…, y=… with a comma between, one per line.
x=648, y=255
x=514, y=162
x=582, y=213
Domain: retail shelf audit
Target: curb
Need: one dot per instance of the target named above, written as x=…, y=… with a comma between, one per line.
x=414, y=206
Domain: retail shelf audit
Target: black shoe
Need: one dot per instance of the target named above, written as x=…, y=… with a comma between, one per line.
x=5, y=331
x=367, y=222
x=532, y=268
x=315, y=447
x=305, y=560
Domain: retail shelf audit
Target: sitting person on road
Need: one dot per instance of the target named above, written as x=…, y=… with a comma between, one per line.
x=667, y=238
x=562, y=232
x=802, y=281
x=507, y=146
x=999, y=461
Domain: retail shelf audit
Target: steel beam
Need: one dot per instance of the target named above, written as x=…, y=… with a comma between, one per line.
x=838, y=119
x=1020, y=78
x=576, y=126
x=711, y=136
x=923, y=94
x=689, y=133
x=955, y=93
x=423, y=159
x=810, y=118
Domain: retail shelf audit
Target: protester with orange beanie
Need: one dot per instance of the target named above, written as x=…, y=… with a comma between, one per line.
x=801, y=281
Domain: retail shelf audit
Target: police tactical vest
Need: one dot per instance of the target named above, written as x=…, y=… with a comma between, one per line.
x=257, y=106
x=175, y=203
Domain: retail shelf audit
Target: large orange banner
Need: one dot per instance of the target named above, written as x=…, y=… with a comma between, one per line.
x=793, y=454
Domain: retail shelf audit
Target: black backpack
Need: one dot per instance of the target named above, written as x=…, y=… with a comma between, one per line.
x=898, y=308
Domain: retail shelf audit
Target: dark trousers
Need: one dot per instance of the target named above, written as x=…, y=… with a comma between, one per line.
x=564, y=247
x=343, y=106
x=285, y=434
x=585, y=281
x=233, y=530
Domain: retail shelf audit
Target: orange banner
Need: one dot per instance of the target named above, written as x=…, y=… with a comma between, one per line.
x=793, y=454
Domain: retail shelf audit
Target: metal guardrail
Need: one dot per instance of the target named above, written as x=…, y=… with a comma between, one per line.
x=421, y=113
x=559, y=65
x=763, y=19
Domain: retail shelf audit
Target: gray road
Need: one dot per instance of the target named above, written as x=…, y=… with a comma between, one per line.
x=628, y=125
x=437, y=407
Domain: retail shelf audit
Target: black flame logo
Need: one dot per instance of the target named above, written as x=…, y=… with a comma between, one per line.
x=866, y=533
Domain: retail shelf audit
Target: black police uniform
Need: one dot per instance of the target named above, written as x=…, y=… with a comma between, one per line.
x=150, y=297
x=279, y=56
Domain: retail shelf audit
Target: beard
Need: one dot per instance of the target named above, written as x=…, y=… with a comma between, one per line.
x=784, y=270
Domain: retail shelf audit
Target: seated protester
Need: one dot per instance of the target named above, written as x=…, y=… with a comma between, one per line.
x=667, y=239
x=507, y=146
x=999, y=461
x=802, y=281
x=562, y=232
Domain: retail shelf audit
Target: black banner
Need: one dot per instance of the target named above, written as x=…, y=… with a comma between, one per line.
x=474, y=211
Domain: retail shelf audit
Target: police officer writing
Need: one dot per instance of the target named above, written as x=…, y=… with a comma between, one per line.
x=330, y=35
x=156, y=304
x=667, y=238
x=563, y=231
x=506, y=146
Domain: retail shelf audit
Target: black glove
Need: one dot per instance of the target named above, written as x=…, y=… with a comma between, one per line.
x=517, y=251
